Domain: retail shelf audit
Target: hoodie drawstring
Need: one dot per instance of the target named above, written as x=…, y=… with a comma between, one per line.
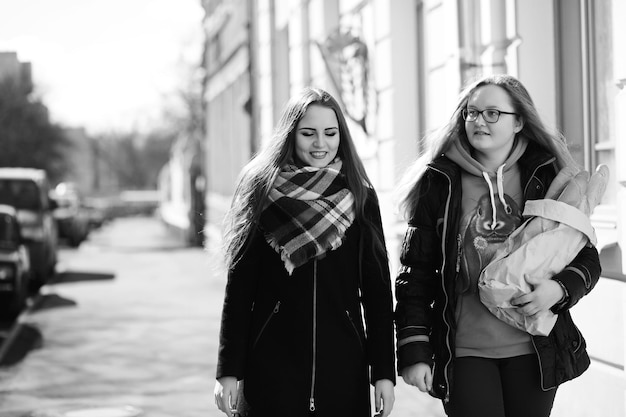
x=500, y=186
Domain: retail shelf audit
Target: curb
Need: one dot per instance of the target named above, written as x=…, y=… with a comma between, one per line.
x=21, y=338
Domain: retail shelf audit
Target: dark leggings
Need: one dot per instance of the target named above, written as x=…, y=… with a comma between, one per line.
x=507, y=387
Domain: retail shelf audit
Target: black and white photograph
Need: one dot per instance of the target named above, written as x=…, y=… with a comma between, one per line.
x=312, y=208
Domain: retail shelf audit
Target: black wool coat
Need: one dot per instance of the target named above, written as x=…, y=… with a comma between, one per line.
x=299, y=342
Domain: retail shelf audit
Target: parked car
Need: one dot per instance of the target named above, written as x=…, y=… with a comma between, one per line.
x=71, y=216
x=97, y=211
x=28, y=190
x=14, y=265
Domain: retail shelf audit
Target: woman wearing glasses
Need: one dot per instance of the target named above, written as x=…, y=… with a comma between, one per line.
x=462, y=198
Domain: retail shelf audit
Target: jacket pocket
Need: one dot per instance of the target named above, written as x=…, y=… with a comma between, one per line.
x=355, y=329
x=570, y=351
x=275, y=311
x=579, y=342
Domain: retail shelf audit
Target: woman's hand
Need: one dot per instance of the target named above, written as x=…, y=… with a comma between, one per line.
x=383, y=392
x=226, y=394
x=419, y=375
x=545, y=294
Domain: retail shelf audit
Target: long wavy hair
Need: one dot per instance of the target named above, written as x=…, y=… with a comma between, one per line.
x=437, y=142
x=258, y=176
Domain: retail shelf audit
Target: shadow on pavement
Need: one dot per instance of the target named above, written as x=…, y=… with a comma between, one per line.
x=52, y=300
x=47, y=301
x=77, y=276
x=22, y=339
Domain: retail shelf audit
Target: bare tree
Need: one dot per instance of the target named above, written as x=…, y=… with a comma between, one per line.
x=27, y=136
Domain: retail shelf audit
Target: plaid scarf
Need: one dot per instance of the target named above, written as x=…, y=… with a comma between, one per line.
x=308, y=213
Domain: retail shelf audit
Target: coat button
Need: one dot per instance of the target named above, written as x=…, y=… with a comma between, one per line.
x=575, y=343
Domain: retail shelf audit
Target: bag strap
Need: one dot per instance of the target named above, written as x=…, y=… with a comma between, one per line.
x=561, y=212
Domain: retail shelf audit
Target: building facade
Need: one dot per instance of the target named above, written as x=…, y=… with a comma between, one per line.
x=181, y=190
x=397, y=67
x=16, y=72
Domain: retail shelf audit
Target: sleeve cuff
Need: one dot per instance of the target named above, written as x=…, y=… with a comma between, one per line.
x=564, y=300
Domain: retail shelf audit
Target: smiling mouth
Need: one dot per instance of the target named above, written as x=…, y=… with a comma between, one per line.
x=318, y=155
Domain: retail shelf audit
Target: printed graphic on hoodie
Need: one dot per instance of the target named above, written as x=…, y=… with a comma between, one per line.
x=485, y=228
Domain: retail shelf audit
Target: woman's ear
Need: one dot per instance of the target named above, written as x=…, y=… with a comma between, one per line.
x=519, y=124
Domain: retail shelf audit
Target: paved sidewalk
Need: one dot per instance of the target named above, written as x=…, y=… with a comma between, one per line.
x=147, y=338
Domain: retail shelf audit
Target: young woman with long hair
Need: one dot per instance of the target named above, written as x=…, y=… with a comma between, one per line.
x=306, y=255
x=464, y=197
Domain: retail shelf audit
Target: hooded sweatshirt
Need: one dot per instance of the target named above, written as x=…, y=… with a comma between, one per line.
x=492, y=203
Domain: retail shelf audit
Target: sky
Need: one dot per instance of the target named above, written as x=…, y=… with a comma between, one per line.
x=105, y=65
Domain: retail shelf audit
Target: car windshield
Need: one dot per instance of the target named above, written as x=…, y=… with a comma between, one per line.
x=8, y=232
x=21, y=194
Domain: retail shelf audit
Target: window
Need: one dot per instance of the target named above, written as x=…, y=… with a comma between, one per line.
x=587, y=88
x=21, y=194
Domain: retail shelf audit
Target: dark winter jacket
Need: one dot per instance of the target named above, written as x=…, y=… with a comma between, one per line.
x=425, y=285
x=299, y=341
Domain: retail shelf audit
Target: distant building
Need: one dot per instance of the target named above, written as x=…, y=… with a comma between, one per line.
x=229, y=99
x=83, y=171
x=181, y=190
x=20, y=73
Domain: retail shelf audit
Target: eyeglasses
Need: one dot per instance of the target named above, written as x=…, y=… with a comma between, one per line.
x=489, y=115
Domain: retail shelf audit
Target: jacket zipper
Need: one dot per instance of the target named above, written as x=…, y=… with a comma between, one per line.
x=543, y=388
x=267, y=321
x=314, y=359
x=443, y=284
x=459, y=253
